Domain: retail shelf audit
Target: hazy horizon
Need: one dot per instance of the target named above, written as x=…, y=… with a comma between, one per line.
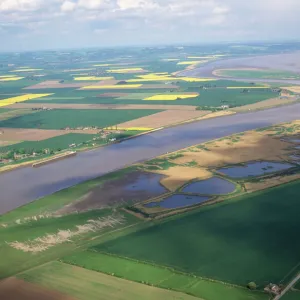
x=27, y=25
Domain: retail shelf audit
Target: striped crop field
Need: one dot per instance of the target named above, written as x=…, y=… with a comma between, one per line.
x=22, y=98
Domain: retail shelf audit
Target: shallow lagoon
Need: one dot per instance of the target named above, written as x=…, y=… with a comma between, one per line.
x=255, y=169
x=211, y=186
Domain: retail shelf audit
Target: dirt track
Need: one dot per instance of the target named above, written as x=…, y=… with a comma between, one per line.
x=16, y=289
x=103, y=106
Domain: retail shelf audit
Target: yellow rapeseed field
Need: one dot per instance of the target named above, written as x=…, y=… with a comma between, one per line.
x=111, y=87
x=153, y=77
x=125, y=70
x=91, y=78
x=169, y=97
x=156, y=77
x=26, y=70
x=11, y=78
x=192, y=79
x=22, y=98
x=192, y=62
x=6, y=76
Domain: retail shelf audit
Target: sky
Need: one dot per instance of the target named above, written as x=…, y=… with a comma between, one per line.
x=50, y=24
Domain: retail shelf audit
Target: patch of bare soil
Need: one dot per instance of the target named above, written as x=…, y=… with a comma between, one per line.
x=179, y=175
x=16, y=289
x=250, y=146
x=54, y=84
x=20, y=134
x=163, y=118
x=103, y=106
x=265, y=104
x=217, y=114
x=294, y=89
x=130, y=188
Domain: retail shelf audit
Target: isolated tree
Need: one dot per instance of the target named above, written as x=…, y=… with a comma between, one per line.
x=252, y=286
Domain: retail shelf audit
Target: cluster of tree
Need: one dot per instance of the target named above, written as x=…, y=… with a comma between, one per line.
x=13, y=153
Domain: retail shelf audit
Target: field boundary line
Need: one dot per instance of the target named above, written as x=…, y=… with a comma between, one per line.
x=175, y=271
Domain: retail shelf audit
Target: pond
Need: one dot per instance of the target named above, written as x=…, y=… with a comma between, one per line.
x=147, y=182
x=177, y=201
x=295, y=158
x=211, y=186
x=255, y=169
x=295, y=141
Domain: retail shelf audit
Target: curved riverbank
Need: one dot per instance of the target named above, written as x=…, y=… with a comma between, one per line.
x=284, y=62
x=27, y=184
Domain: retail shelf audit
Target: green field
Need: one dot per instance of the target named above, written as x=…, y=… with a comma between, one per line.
x=4, y=110
x=56, y=143
x=208, y=97
x=62, y=118
x=263, y=74
x=237, y=241
x=28, y=231
x=87, y=285
x=25, y=224
x=159, y=276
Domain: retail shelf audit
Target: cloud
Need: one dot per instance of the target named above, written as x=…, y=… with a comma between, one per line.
x=220, y=10
x=136, y=4
x=68, y=6
x=19, y=5
x=152, y=21
x=91, y=4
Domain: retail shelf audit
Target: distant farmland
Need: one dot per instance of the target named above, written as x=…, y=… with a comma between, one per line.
x=57, y=119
